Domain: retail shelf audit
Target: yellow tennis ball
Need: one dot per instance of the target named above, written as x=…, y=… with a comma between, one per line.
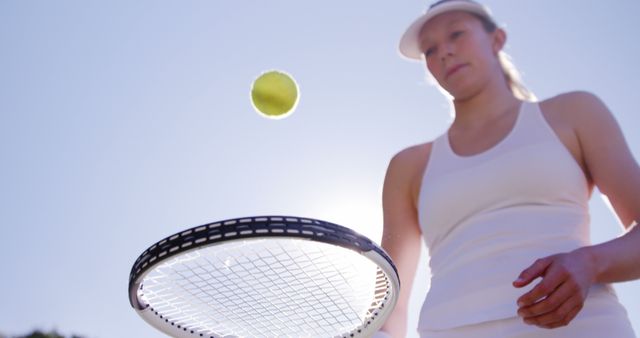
x=274, y=94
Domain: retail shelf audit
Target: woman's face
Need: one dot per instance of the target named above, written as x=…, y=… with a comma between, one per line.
x=459, y=52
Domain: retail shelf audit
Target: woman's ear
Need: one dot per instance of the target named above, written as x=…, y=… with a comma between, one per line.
x=499, y=40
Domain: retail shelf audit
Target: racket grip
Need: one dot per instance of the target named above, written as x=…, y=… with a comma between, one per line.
x=381, y=334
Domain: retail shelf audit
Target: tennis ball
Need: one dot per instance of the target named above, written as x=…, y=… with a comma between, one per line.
x=274, y=94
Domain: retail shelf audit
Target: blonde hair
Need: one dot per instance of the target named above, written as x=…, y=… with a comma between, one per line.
x=512, y=76
x=511, y=73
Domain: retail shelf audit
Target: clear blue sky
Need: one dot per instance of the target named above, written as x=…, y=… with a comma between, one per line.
x=122, y=122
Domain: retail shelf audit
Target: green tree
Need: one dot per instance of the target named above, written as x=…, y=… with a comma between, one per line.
x=40, y=334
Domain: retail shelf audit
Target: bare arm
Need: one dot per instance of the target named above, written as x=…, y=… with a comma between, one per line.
x=617, y=175
x=401, y=236
x=568, y=276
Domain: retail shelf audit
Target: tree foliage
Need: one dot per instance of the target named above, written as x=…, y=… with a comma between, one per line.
x=40, y=334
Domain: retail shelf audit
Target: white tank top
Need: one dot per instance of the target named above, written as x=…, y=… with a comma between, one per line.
x=487, y=217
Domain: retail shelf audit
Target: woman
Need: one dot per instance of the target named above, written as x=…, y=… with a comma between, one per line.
x=502, y=198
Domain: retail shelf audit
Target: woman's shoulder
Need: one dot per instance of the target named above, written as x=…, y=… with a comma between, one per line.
x=408, y=158
x=576, y=108
x=406, y=168
x=572, y=103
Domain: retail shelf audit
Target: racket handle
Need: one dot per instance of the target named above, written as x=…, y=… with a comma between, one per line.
x=381, y=334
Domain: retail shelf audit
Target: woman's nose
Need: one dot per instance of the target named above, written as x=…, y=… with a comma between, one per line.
x=446, y=50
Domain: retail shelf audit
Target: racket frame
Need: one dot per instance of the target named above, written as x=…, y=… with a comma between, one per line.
x=257, y=227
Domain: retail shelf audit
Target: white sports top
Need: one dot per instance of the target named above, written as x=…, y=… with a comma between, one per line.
x=487, y=217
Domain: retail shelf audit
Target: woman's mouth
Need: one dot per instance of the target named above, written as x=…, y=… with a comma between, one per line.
x=454, y=69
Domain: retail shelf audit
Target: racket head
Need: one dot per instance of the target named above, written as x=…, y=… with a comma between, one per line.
x=221, y=280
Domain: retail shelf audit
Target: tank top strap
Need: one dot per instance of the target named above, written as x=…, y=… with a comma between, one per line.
x=440, y=158
x=533, y=126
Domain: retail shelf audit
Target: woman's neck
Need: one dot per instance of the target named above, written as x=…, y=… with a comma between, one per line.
x=486, y=106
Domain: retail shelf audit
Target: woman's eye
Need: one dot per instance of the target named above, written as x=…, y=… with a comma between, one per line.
x=429, y=51
x=456, y=34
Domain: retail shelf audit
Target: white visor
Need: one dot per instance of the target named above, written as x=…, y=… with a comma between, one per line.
x=409, y=43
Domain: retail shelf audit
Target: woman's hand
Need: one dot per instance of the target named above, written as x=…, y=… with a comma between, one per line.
x=557, y=299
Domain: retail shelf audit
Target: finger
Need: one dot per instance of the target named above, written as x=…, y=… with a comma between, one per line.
x=557, y=316
x=552, y=279
x=557, y=298
x=566, y=320
x=534, y=271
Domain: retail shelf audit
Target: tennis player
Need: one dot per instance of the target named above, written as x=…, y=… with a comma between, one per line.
x=501, y=198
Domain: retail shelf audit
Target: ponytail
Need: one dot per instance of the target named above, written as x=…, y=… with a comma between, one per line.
x=511, y=73
x=512, y=76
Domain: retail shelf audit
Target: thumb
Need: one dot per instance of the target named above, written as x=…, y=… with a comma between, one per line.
x=535, y=270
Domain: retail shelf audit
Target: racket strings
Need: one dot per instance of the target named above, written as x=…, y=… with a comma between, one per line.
x=299, y=289
x=252, y=308
x=323, y=270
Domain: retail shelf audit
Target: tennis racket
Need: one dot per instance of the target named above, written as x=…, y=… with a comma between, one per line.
x=268, y=276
